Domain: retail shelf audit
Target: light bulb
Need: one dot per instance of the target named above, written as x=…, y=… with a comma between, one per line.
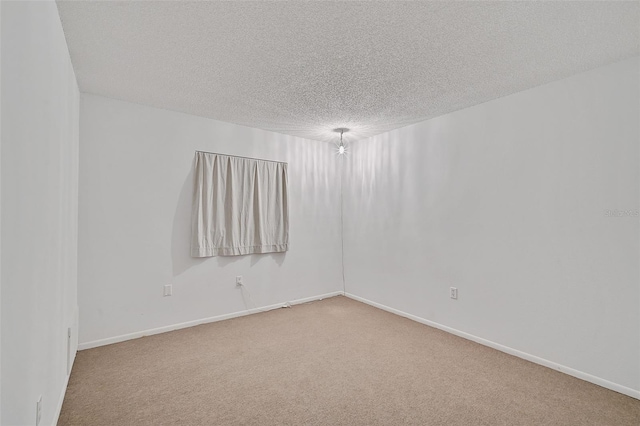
x=342, y=150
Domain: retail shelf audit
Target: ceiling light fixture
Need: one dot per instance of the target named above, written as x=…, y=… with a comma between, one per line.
x=341, y=148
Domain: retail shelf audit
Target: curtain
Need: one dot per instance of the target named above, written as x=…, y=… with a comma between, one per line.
x=240, y=206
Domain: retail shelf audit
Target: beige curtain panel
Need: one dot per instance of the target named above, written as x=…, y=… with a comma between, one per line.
x=240, y=206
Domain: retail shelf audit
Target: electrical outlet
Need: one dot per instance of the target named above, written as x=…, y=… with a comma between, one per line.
x=168, y=290
x=38, y=410
x=239, y=282
x=453, y=293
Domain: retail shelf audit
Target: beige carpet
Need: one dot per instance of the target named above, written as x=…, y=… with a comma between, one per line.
x=333, y=362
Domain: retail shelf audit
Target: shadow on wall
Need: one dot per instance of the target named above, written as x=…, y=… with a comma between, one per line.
x=181, y=237
x=181, y=234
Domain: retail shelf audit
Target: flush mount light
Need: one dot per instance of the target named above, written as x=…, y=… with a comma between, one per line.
x=341, y=148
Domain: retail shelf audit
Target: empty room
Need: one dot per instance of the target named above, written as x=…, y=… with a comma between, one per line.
x=319, y=213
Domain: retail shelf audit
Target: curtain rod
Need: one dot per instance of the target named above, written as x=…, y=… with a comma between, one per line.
x=240, y=156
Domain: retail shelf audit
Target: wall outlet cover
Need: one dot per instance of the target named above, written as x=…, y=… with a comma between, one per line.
x=38, y=410
x=453, y=293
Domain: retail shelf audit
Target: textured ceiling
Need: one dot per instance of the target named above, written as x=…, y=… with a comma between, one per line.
x=304, y=68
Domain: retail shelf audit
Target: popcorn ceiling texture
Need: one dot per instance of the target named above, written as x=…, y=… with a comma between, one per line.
x=304, y=68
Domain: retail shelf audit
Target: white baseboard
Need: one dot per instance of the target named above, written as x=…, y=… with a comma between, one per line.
x=138, y=334
x=62, y=394
x=541, y=361
x=72, y=359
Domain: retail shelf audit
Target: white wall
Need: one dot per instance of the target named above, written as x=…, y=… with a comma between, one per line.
x=506, y=201
x=39, y=175
x=0, y=213
x=135, y=205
